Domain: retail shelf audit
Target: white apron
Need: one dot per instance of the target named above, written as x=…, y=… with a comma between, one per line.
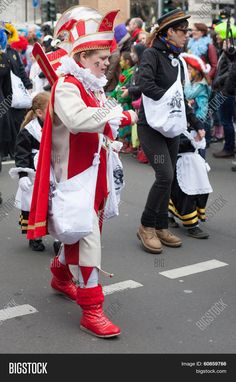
x=192, y=169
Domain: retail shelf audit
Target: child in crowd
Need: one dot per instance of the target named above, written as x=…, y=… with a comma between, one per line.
x=197, y=91
x=27, y=146
x=191, y=187
x=132, y=89
x=127, y=67
x=142, y=37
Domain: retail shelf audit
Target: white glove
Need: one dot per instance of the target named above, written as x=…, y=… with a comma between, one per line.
x=25, y=183
x=114, y=124
x=134, y=117
x=116, y=146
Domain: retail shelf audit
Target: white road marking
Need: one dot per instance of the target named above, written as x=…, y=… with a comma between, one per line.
x=16, y=311
x=8, y=162
x=118, y=287
x=192, y=269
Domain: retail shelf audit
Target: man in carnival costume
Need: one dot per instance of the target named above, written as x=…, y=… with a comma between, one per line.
x=76, y=116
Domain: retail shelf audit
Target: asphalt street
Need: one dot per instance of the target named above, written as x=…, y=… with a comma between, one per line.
x=157, y=315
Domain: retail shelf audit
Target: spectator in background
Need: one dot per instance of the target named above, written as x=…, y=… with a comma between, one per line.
x=127, y=66
x=197, y=90
x=132, y=88
x=200, y=44
x=123, y=40
x=21, y=47
x=46, y=30
x=226, y=109
x=28, y=53
x=230, y=88
x=18, y=69
x=47, y=43
x=135, y=27
x=218, y=130
x=142, y=37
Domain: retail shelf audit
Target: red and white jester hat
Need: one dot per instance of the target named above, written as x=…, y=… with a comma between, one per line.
x=87, y=29
x=196, y=62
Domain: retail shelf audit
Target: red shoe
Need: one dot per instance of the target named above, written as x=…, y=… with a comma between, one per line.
x=127, y=148
x=62, y=279
x=141, y=157
x=94, y=320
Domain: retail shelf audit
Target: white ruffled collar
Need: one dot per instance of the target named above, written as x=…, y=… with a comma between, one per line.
x=85, y=76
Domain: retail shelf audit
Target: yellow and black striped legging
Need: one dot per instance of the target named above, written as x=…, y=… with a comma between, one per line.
x=188, y=208
x=23, y=221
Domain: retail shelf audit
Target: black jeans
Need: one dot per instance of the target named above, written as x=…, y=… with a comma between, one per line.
x=226, y=115
x=162, y=155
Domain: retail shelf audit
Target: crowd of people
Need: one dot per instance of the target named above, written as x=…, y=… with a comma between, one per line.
x=174, y=91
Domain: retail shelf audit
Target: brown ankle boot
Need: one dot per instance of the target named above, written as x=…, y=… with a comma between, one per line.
x=167, y=238
x=149, y=239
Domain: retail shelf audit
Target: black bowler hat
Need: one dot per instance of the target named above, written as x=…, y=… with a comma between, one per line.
x=171, y=19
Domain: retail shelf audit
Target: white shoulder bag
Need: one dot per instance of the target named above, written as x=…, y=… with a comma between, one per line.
x=21, y=98
x=71, y=203
x=115, y=181
x=168, y=114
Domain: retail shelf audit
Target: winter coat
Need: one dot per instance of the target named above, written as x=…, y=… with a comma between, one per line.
x=133, y=87
x=230, y=83
x=124, y=78
x=27, y=144
x=224, y=65
x=200, y=93
x=17, y=66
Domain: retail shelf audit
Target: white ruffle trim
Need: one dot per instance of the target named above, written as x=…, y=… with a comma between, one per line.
x=14, y=172
x=85, y=76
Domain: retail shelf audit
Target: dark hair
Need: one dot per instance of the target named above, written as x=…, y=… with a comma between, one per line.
x=175, y=25
x=127, y=22
x=139, y=49
x=46, y=29
x=127, y=56
x=126, y=46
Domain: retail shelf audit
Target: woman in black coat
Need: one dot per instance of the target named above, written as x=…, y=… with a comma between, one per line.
x=157, y=73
